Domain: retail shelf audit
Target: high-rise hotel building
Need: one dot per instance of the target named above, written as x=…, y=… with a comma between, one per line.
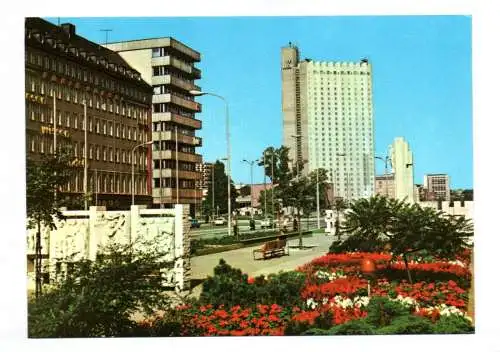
x=75, y=88
x=169, y=66
x=328, y=120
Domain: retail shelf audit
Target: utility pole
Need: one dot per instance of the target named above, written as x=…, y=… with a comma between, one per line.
x=106, y=35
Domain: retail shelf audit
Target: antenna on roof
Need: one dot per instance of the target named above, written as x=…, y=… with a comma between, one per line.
x=107, y=31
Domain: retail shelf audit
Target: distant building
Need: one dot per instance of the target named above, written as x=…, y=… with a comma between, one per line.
x=203, y=183
x=402, y=166
x=384, y=185
x=328, y=120
x=437, y=187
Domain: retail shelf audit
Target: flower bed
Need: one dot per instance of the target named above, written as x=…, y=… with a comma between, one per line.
x=335, y=293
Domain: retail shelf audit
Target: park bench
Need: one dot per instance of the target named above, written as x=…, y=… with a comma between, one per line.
x=271, y=249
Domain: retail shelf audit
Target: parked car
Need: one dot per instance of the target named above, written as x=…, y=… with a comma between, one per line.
x=220, y=221
x=195, y=223
x=266, y=223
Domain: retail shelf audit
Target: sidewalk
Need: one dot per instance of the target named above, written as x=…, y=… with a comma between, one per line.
x=316, y=246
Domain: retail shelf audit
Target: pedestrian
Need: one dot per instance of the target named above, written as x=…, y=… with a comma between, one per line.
x=235, y=226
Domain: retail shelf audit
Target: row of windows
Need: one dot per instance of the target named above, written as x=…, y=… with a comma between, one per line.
x=167, y=107
x=171, y=164
x=169, y=182
x=168, y=126
x=75, y=71
x=164, y=70
x=342, y=72
x=165, y=89
x=170, y=145
x=77, y=96
x=94, y=125
x=45, y=145
x=108, y=183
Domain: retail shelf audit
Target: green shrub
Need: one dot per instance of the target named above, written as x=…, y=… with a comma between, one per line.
x=353, y=327
x=230, y=287
x=382, y=311
x=408, y=324
x=99, y=298
x=316, y=332
x=453, y=324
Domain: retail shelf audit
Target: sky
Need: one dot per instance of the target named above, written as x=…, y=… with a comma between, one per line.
x=422, y=79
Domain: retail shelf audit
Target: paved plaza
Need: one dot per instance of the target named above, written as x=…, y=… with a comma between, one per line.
x=315, y=246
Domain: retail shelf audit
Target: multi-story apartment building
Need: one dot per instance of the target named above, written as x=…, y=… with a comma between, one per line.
x=437, y=186
x=76, y=88
x=402, y=166
x=205, y=169
x=168, y=65
x=384, y=185
x=328, y=120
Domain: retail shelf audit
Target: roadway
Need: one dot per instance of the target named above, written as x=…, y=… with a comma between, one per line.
x=209, y=231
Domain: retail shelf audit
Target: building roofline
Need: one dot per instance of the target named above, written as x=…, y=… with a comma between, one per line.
x=168, y=42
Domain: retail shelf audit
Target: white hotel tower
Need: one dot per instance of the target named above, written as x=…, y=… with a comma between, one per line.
x=328, y=115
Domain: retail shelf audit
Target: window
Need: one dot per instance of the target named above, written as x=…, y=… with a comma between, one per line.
x=104, y=153
x=97, y=148
x=104, y=127
x=91, y=152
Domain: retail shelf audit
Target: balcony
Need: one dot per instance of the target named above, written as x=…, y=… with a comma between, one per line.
x=179, y=119
x=170, y=155
x=187, y=175
x=175, y=81
x=172, y=61
x=181, y=138
x=184, y=49
x=170, y=98
x=169, y=194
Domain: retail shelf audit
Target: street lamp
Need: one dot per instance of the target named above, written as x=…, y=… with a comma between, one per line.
x=251, y=182
x=133, y=167
x=385, y=160
x=199, y=93
x=272, y=179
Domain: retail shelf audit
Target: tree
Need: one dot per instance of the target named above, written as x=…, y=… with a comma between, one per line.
x=378, y=224
x=43, y=178
x=322, y=179
x=99, y=298
x=424, y=229
x=220, y=190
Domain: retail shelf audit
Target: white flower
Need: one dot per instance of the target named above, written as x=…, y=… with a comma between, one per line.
x=311, y=303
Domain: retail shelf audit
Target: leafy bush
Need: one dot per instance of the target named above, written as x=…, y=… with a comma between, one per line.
x=353, y=327
x=408, y=324
x=382, y=311
x=99, y=298
x=453, y=324
x=230, y=287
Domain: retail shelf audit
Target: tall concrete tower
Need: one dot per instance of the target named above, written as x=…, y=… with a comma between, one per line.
x=329, y=106
x=402, y=165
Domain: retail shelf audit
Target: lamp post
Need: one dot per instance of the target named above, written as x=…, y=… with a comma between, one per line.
x=85, y=154
x=133, y=167
x=272, y=181
x=385, y=160
x=251, y=182
x=199, y=93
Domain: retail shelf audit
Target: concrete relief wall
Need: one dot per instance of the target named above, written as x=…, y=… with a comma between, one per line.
x=83, y=233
